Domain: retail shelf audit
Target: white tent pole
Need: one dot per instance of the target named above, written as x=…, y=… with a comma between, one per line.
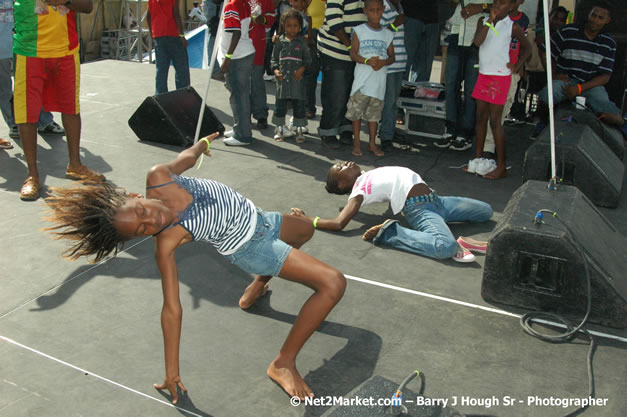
x=212, y=63
x=549, y=85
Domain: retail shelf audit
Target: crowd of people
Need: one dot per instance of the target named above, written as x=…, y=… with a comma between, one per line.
x=364, y=49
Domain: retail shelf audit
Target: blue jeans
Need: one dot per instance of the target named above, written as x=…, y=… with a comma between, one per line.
x=337, y=80
x=169, y=49
x=238, y=83
x=421, y=43
x=596, y=98
x=460, y=65
x=258, y=100
x=388, y=116
x=311, y=75
x=429, y=235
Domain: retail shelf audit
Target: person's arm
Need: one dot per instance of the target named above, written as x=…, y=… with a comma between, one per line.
x=474, y=8
x=300, y=72
x=340, y=222
x=482, y=31
x=186, y=159
x=149, y=22
x=79, y=6
x=525, y=47
x=275, y=61
x=234, y=41
x=179, y=23
x=171, y=316
x=334, y=17
x=572, y=91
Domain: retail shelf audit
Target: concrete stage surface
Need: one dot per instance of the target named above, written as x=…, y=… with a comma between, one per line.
x=85, y=340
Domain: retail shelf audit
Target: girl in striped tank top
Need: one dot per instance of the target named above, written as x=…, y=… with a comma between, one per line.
x=178, y=210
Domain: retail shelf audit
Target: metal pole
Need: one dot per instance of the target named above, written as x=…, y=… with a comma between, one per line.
x=549, y=85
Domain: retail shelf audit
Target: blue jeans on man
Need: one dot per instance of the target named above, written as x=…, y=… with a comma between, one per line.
x=596, y=98
x=460, y=65
x=337, y=81
x=429, y=234
x=421, y=43
x=169, y=49
x=238, y=83
x=387, y=127
x=258, y=99
x=311, y=76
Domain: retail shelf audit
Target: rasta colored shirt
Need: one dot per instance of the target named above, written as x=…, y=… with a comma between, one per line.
x=43, y=35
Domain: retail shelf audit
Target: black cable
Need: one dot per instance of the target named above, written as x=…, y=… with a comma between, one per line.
x=435, y=162
x=527, y=319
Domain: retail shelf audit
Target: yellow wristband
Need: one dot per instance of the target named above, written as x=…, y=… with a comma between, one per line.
x=207, y=142
x=181, y=36
x=349, y=47
x=366, y=61
x=315, y=222
x=394, y=28
x=202, y=155
x=229, y=56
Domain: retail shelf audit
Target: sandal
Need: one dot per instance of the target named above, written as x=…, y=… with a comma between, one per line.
x=5, y=144
x=30, y=189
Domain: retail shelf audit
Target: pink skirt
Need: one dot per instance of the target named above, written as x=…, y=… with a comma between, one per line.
x=492, y=88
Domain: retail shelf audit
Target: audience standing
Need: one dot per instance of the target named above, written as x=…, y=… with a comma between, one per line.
x=422, y=35
x=316, y=12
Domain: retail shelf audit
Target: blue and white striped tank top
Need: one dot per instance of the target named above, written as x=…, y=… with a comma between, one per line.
x=218, y=214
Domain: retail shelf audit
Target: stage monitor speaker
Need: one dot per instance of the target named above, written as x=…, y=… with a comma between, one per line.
x=538, y=266
x=381, y=388
x=582, y=160
x=171, y=118
x=610, y=135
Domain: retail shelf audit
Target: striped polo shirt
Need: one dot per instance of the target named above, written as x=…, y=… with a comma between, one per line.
x=579, y=57
x=218, y=214
x=48, y=35
x=400, y=53
x=339, y=14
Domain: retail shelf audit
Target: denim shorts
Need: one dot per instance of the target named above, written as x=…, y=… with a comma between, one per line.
x=265, y=252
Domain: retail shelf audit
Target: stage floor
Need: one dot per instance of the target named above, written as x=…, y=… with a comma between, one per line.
x=85, y=340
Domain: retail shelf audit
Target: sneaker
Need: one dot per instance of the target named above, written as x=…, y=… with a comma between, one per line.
x=14, y=132
x=262, y=123
x=278, y=134
x=472, y=245
x=291, y=127
x=444, y=141
x=460, y=144
x=234, y=142
x=52, y=129
x=268, y=77
x=287, y=132
x=387, y=146
x=83, y=174
x=537, y=130
x=463, y=255
x=330, y=142
x=484, y=166
x=300, y=137
x=346, y=138
x=228, y=133
x=473, y=164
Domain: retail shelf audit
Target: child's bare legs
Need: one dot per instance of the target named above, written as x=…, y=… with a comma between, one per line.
x=295, y=231
x=356, y=140
x=496, y=112
x=372, y=146
x=328, y=284
x=481, y=126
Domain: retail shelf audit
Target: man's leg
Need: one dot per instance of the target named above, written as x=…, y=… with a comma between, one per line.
x=258, y=97
x=180, y=60
x=6, y=92
x=471, y=59
x=413, y=33
x=598, y=100
x=311, y=77
x=427, y=47
x=452, y=86
x=162, y=65
x=388, y=117
x=337, y=80
x=238, y=83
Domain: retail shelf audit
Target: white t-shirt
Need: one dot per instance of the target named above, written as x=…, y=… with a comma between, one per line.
x=372, y=42
x=494, y=51
x=386, y=184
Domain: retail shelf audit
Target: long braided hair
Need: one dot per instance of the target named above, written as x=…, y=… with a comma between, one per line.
x=85, y=215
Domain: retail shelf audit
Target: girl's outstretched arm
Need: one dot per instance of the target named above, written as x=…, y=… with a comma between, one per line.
x=186, y=159
x=337, y=224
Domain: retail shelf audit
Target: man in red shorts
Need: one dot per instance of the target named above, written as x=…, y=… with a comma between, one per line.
x=47, y=73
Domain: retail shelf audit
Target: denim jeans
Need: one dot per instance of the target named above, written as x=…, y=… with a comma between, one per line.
x=238, y=83
x=337, y=80
x=388, y=117
x=258, y=100
x=311, y=75
x=280, y=109
x=421, y=43
x=460, y=65
x=210, y=45
x=429, y=235
x=596, y=98
x=169, y=49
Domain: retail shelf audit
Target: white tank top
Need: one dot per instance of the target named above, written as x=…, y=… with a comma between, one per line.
x=494, y=51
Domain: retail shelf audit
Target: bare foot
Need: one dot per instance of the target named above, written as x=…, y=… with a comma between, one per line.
x=376, y=151
x=252, y=293
x=372, y=232
x=496, y=174
x=357, y=152
x=289, y=379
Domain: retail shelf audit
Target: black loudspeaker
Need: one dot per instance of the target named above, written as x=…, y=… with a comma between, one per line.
x=610, y=135
x=582, y=159
x=538, y=266
x=171, y=118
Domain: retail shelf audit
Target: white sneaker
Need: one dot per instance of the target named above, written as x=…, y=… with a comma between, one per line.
x=290, y=125
x=228, y=133
x=287, y=132
x=300, y=138
x=234, y=142
x=484, y=166
x=278, y=133
x=473, y=164
x=463, y=255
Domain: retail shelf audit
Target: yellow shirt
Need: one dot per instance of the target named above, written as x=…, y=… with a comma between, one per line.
x=316, y=11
